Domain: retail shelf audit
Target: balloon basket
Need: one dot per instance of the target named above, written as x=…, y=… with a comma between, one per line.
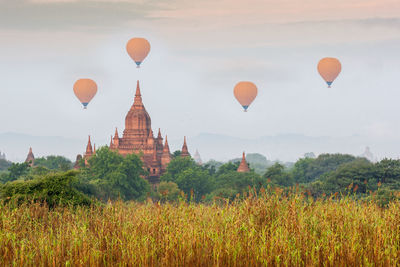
x=84, y=107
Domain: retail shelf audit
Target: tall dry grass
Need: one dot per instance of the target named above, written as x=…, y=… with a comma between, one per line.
x=268, y=230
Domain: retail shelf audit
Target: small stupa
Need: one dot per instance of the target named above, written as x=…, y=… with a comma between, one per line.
x=197, y=158
x=243, y=167
x=30, y=158
x=185, y=151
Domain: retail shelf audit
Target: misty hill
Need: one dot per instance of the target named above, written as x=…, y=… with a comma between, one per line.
x=16, y=146
x=287, y=147
x=283, y=147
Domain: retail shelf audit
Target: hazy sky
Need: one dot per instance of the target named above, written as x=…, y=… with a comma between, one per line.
x=200, y=50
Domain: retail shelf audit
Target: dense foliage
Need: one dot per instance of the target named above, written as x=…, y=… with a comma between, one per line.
x=53, y=189
x=4, y=164
x=109, y=175
x=193, y=180
x=54, y=163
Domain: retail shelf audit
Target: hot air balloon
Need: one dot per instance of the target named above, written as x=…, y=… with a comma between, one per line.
x=138, y=48
x=85, y=90
x=329, y=68
x=245, y=93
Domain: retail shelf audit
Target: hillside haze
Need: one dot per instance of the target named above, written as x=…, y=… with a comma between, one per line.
x=283, y=147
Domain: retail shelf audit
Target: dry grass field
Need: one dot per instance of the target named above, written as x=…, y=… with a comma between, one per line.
x=267, y=230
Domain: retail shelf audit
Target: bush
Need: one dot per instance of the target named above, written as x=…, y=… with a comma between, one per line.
x=168, y=191
x=53, y=189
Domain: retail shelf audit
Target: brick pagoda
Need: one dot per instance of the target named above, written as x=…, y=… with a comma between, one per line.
x=138, y=138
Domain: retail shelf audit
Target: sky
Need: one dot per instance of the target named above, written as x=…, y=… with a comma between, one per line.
x=199, y=51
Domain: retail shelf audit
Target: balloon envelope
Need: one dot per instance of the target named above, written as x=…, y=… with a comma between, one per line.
x=245, y=93
x=138, y=48
x=85, y=90
x=329, y=68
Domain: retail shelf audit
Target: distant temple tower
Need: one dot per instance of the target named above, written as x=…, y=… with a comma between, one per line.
x=138, y=138
x=89, y=151
x=368, y=155
x=30, y=158
x=185, y=151
x=78, y=159
x=197, y=158
x=243, y=167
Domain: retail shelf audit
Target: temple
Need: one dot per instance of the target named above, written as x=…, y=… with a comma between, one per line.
x=3, y=156
x=243, y=167
x=138, y=137
x=197, y=158
x=30, y=159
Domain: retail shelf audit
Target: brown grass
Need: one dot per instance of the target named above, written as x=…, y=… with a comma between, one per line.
x=268, y=230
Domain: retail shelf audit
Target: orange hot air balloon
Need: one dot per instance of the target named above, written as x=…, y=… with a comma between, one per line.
x=245, y=93
x=138, y=48
x=329, y=68
x=85, y=90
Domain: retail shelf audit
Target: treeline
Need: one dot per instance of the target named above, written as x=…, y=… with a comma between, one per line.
x=4, y=165
x=110, y=176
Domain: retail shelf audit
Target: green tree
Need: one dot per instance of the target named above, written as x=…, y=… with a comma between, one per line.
x=54, y=163
x=277, y=174
x=16, y=171
x=176, y=154
x=188, y=176
x=230, y=183
x=37, y=171
x=4, y=164
x=388, y=172
x=228, y=168
x=114, y=175
x=212, y=166
x=302, y=170
x=360, y=173
x=308, y=169
x=194, y=180
x=168, y=191
x=178, y=165
x=53, y=189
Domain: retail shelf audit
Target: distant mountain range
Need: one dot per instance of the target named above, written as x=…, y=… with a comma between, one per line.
x=284, y=147
x=288, y=147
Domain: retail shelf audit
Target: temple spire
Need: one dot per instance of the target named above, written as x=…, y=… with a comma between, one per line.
x=30, y=158
x=159, y=140
x=137, y=103
x=89, y=149
x=116, y=139
x=166, y=156
x=77, y=161
x=243, y=167
x=116, y=133
x=138, y=89
x=111, y=142
x=166, y=146
x=185, y=151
